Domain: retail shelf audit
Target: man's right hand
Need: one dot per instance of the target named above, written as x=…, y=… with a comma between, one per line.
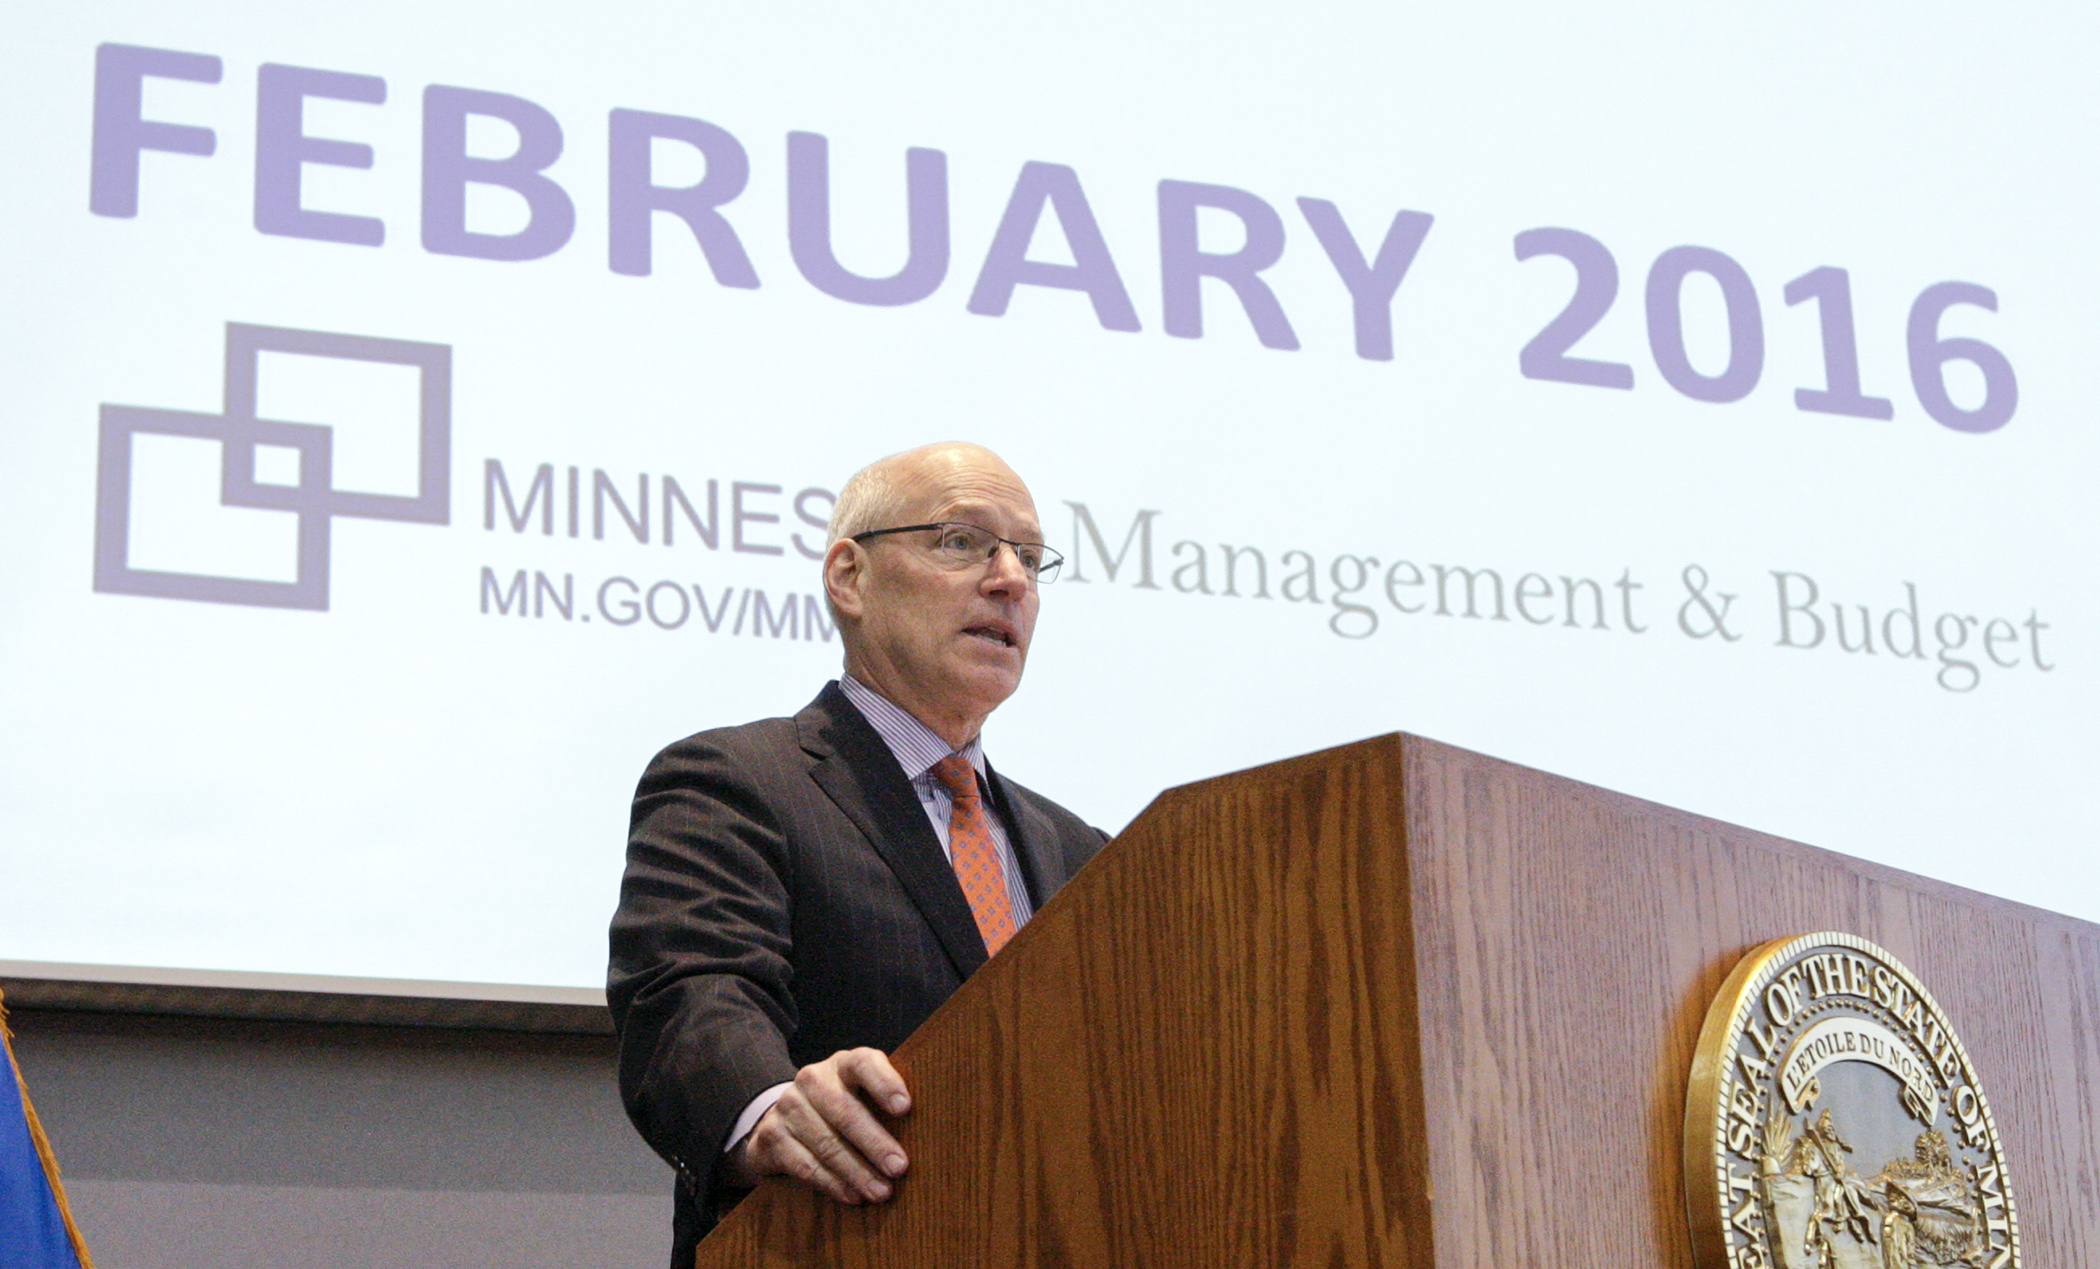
x=823, y=1133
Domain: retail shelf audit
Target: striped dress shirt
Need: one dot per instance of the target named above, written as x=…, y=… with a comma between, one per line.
x=917, y=749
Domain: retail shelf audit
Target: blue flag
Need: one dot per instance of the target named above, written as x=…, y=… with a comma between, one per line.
x=36, y=1230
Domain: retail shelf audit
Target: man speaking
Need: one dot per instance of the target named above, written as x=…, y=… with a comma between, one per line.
x=802, y=892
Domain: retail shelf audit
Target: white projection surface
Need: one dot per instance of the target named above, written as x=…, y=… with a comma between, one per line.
x=416, y=415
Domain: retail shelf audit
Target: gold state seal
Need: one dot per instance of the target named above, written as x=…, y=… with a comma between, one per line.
x=1835, y=1122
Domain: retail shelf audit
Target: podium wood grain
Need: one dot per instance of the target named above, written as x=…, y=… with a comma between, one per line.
x=1398, y=1004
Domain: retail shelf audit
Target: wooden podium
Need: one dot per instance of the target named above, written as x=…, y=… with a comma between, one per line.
x=1399, y=1004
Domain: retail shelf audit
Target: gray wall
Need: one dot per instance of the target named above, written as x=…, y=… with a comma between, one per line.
x=192, y=1143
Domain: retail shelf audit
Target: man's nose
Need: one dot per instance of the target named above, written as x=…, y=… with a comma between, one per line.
x=1004, y=569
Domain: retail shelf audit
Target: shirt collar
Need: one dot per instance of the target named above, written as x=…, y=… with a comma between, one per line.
x=916, y=746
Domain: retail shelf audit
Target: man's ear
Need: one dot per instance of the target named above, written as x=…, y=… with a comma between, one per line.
x=845, y=578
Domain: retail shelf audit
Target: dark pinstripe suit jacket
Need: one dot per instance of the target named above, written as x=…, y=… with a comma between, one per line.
x=785, y=898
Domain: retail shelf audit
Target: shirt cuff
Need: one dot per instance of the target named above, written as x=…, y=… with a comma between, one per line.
x=752, y=1114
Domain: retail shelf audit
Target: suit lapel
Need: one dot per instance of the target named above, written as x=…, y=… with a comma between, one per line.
x=1034, y=841
x=861, y=776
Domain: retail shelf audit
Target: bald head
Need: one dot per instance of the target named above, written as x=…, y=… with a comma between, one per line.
x=947, y=643
x=877, y=495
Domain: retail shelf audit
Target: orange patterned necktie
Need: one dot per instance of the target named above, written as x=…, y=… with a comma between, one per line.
x=975, y=856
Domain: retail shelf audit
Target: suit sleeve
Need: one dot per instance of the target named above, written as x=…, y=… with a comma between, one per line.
x=700, y=973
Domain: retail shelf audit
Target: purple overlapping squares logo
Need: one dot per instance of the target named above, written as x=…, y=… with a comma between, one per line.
x=313, y=500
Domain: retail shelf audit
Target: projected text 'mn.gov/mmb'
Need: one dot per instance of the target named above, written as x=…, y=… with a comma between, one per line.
x=666, y=605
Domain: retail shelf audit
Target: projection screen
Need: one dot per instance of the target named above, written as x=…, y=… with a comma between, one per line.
x=419, y=414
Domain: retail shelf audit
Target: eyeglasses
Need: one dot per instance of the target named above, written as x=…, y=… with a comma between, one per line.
x=960, y=546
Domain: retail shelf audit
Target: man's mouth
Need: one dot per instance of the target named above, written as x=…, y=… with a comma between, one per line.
x=994, y=634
